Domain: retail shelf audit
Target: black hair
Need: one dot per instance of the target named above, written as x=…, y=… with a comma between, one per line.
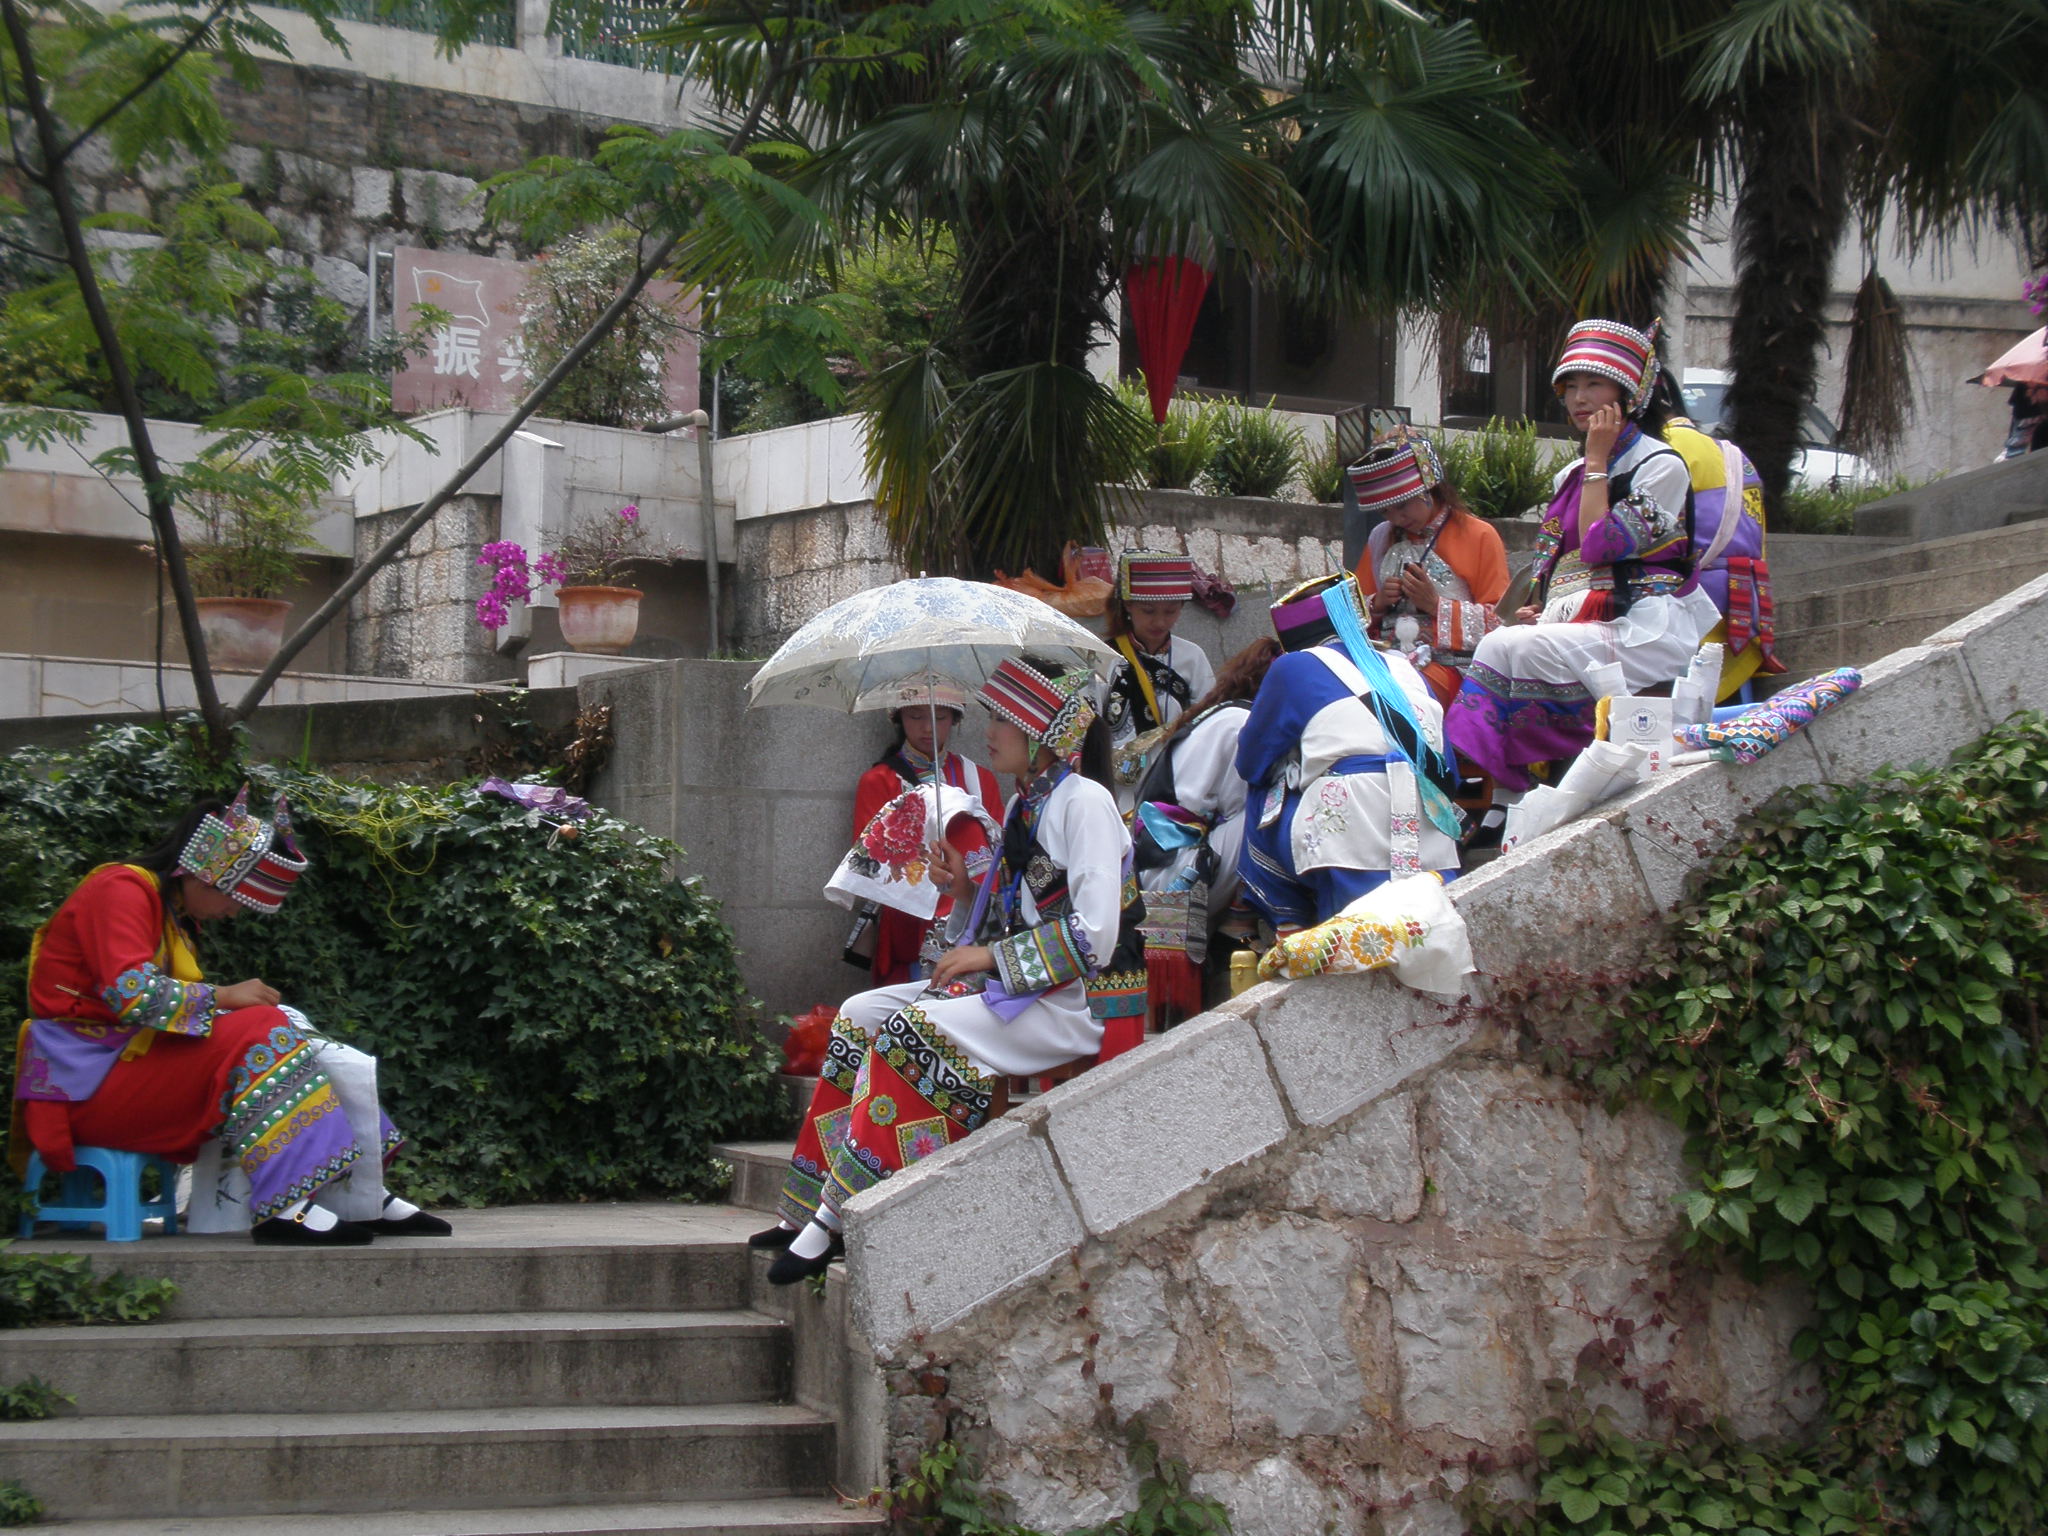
x=1666, y=403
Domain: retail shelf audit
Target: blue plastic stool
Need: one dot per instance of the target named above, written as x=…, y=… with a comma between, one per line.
x=120, y=1208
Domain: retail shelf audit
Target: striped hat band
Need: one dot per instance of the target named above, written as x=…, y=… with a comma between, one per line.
x=1146, y=577
x=242, y=856
x=1051, y=712
x=1399, y=468
x=1610, y=350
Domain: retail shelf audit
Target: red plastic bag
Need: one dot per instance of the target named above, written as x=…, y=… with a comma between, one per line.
x=803, y=1048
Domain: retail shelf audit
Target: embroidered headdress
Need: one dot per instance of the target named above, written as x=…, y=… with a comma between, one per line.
x=1052, y=712
x=1302, y=617
x=1146, y=576
x=243, y=856
x=1610, y=350
x=1401, y=466
x=929, y=689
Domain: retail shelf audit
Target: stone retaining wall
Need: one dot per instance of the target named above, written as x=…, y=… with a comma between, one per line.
x=1333, y=1239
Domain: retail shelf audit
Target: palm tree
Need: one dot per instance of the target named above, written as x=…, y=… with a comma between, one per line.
x=1935, y=110
x=1362, y=154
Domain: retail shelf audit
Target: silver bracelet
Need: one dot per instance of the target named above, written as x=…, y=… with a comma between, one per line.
x=1595, y=474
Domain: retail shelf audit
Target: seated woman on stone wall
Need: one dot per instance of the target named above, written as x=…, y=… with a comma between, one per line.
x=1187, y=831
x=129, y=1048
x=1344, y=756
x=1616, y=609
x=1046, y=944
x=1431, y=571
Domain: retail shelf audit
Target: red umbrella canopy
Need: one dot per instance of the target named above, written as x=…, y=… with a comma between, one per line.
x=2026, y=363
x=1165, y=294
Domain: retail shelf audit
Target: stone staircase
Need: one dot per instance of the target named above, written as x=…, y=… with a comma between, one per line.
x=1852, y=612
x=549, y=1370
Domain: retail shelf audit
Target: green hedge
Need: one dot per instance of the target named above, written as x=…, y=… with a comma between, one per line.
x=556, y=1019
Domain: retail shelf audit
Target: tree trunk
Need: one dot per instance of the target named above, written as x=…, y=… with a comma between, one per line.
x=1790, y=216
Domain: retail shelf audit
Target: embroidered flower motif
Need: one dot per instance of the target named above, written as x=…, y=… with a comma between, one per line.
x=882, y=1110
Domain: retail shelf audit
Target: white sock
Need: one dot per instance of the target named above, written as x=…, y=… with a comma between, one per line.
x=828, y=1218
x=812, y=1242
x=396, y=1209
x=310, y=1215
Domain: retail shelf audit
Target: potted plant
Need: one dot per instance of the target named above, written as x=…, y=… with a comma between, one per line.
x=243, y=552
x=598, y=605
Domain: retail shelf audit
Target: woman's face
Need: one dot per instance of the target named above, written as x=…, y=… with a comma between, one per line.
x=1009, y=751
x=916, y=720
x=204, y=904
x=1152, y=623
x=1413, y=515
x=1585, y=393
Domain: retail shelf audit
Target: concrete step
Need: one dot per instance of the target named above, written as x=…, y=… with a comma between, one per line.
x=536, y=1258
x=432, y=1361
x=392, y=1462
x=757, y=1171
x=722, y=1517
x=1992, y=546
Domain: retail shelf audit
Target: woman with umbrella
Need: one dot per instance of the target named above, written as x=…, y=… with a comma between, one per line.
x=924, y=710
x=912, y=1068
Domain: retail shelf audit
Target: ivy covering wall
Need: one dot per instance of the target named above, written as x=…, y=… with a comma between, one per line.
x=1849, y=1023
x=557, y=1018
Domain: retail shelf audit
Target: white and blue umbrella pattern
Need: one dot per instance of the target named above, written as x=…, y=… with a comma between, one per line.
x=856, y=653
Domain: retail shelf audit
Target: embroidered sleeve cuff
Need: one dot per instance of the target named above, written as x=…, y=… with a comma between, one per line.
x=148, y=997
x=1038, y=959
x=1635, y=528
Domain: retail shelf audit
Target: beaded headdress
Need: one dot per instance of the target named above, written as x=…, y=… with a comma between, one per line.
x=1146, y=576
x=242, y=856
x=1401, y=466
x=1052, y=712
x=1302, y=619
x=1610, y=350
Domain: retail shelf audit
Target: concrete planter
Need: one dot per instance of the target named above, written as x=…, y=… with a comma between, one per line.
x=242, y=633
x=599, y=619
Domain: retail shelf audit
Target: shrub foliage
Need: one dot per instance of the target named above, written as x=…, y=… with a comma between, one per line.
x=1850, y=1026
x=557, y=1017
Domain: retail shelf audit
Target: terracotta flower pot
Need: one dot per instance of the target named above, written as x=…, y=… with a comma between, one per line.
x=601, y=620
x=242, y=633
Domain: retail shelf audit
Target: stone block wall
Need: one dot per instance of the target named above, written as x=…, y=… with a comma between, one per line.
x=1335, y=1239
x=417, y=616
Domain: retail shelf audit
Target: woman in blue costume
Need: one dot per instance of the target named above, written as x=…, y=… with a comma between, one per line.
x=1344, y=754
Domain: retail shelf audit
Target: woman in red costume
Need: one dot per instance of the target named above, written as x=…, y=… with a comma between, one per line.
x=129, y=1048
x=924, y=711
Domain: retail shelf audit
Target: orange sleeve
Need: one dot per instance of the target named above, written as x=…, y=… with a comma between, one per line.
x=1482, y=559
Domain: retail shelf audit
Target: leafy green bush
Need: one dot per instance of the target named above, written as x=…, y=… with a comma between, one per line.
x=557, y=1018
x=1322, y=471
x=27, y=1402
x=1181, y=447
x=1258, y=452
x=1503, y=469
x=40, y=1288
x=17, y=1505
x=1830, y=509
x=1851, y=1029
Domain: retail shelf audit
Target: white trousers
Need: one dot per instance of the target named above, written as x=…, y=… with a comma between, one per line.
x=219, y=1197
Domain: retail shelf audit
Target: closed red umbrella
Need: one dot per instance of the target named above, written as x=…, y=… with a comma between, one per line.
x=2026, y=363
x=1165, y=294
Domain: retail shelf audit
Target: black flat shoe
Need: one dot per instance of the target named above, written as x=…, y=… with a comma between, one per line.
x=777, y=1236
x=418, y=1224
x=788, y=1268
x=288, y=1232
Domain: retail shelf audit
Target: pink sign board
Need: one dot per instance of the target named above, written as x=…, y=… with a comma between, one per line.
x=477, y=357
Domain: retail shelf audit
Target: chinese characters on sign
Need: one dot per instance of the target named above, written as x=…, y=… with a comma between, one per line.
x=476, y=356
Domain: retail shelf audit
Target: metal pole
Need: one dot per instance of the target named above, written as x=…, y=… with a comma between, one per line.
x=701, y=421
